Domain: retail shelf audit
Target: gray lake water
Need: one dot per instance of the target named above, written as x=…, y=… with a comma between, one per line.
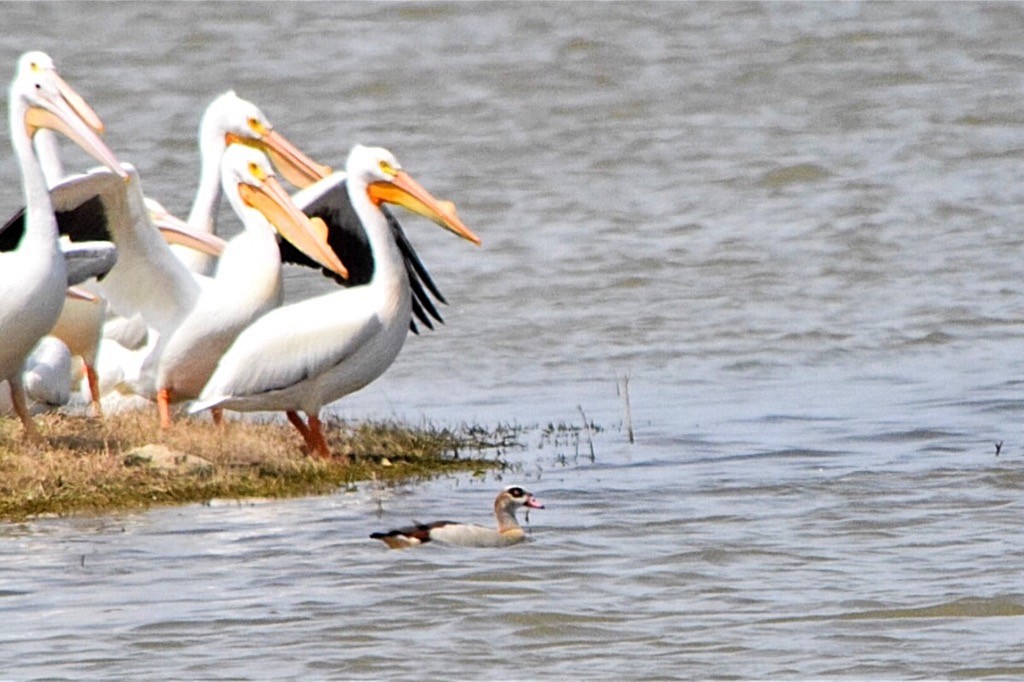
x=796, y=229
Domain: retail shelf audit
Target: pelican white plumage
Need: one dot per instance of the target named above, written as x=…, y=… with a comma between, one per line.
x=196, y=317
x=85, y=205
x=303, y=356
x=248, y=276
x=228, y=120
x=33, y=277
x=47, y=374
x=46, y=377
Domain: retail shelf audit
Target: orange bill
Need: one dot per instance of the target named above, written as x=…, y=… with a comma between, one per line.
x=177, y=231
x=67, y=113
x=297, y=168
x=273, y=202
x=406, y=192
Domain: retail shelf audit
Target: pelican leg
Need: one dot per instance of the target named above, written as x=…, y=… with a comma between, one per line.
x=317, y=440
x=163, y=406
x=297, y=422
x=21, y=408
x=319, y=443
x=312, y=445
x=94, y=389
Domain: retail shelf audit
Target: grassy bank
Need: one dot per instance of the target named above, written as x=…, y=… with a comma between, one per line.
x=89, y=466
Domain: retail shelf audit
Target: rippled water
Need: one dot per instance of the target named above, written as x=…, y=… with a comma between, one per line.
x=794, y=227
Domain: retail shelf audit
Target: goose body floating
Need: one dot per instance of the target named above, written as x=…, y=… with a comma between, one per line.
x=33, y=275
x=302, y=356
x=508, y=531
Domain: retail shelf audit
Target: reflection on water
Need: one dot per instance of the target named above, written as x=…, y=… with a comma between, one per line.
x=794, y=227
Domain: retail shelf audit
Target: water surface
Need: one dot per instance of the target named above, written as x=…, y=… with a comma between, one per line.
x=794, y=227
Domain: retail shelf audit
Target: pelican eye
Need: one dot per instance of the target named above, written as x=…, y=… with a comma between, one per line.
x=257, y=171
x=257, y=126
x=387, y=169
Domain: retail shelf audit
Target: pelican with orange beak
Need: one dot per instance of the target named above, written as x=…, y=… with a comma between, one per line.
x=196, y=317
x=33, y=276
x=302, y=356
x=230, y=119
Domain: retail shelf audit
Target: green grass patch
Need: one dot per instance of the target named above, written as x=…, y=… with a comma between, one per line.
x=86, y=465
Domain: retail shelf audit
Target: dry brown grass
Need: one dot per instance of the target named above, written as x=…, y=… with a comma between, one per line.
x=82, y=468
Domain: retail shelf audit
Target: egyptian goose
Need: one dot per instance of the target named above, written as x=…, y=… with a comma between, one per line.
x=467, y=535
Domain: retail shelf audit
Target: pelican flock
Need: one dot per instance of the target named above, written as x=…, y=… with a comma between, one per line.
x=303, y=356
x=206, y=316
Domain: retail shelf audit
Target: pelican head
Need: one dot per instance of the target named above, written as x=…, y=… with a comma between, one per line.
x=232, y=120
x=49, y=102
x=247, y=174
x=387, y=182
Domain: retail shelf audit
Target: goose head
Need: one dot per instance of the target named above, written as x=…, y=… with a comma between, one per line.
x=513, y=497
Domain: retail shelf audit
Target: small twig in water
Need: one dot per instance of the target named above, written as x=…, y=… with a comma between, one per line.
x=624, y=392
x=586, y=425
x=999, y=448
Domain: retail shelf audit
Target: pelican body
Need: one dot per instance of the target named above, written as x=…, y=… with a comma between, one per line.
x=247, y=282
x=33, y=276
x=196, y=317
x=303, y=356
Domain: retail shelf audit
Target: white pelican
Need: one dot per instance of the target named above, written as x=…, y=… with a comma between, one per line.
x=33, y=277
x=84, y=205
x=508, y=532
x=47, y=374
x=195, y=317
x=310, y=353
x=229, y=119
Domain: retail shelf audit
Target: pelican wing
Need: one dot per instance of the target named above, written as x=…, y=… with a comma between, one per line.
x=12, y=231
x=329, y=201
x=422, y=307
x=81, y=206
x=88, y=259
x=148, y=278
x=285, y=347
x=99, y=206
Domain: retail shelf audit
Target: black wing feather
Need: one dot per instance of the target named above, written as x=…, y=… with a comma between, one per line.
x=12, y=231
x=345, y=235
x=86, y=222
x=348, y=239
x=412, y=260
